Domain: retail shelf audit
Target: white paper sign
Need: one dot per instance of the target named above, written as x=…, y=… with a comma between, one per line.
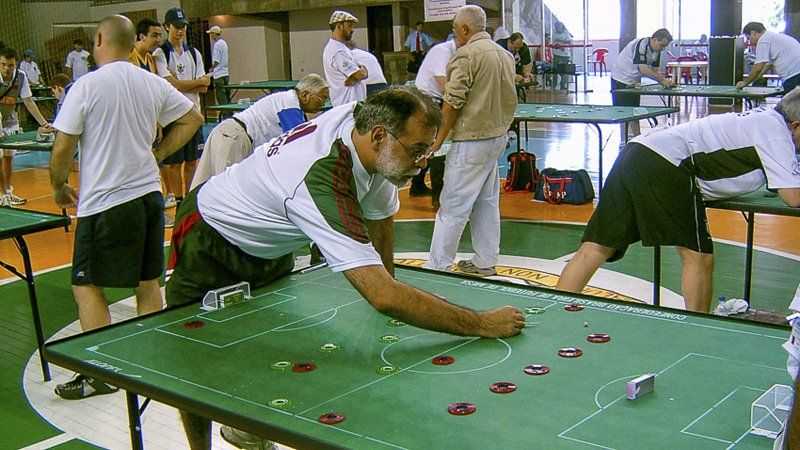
x=438, y=10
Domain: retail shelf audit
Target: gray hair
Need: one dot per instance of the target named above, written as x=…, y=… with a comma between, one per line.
x=473, y=16
x=311, y=83
x=392, y=107
x=789, y=106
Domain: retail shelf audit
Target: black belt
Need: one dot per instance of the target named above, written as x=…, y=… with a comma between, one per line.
x=244, y=127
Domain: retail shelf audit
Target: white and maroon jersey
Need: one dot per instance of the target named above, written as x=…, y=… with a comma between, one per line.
x=305, y=185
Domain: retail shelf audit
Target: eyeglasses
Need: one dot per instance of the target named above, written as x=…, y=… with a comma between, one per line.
x=417, y=153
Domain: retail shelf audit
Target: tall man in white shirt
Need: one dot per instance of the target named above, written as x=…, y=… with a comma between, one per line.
x=219, y=65
x=656, y=189
x=29, y=66
x=345, y=76
x=77, y=60
x=111, y=114
x=182, y=66
x=773, y=50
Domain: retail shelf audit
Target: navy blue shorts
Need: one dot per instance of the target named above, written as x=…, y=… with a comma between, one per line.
x=189, y=152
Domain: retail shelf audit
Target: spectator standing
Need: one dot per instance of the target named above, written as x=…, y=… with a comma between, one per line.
x=29, y=66
x=182, y=66
x=219, y=65
x=345, y=76
x=77, y=60
x=418, y=43
x=479, y=103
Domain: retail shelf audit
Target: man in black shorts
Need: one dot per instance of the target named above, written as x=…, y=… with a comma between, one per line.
x=656, y=189
x=120, y=230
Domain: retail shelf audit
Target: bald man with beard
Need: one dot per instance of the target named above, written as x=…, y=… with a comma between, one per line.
x=111, y=114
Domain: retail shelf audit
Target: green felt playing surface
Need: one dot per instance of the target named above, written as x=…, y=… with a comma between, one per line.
x=552, y=112
x=760, y=201
x=708, y=369
x=16, y=222
x=704, y=90
x=25, y=141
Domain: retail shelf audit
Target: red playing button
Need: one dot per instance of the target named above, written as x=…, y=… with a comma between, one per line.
x=303, y=367
x=443, y=360
x=537, y=369
x=461, y=409
x=503, y=387
x=331, y=418
x=194, y=324
x=574, y=307
x=569, y=352
x=598, y=338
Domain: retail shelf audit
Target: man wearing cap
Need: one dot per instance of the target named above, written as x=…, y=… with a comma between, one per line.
x=29, y=66
x=219, y=64
x=342, y=71
x=182, y=66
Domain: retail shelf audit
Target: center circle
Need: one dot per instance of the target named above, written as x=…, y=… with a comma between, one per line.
x=414, y=353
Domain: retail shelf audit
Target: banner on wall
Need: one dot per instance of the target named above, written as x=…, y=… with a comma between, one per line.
x=439, y=10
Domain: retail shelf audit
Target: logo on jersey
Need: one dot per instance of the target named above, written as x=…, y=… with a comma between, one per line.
x=304, y=129
x=180, y=67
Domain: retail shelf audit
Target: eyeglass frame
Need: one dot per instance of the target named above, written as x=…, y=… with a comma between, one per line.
x=417, y=159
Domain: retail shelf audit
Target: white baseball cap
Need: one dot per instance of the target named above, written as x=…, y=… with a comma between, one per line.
x=215, y=30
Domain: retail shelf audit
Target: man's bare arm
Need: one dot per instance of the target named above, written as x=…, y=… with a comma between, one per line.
x=381, y=233
x=179, y=134
x=422, y=309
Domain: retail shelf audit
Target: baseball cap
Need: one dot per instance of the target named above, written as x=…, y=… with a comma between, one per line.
x=176, y=16
x=29, y=52
x=215, y=29
x=342, y=16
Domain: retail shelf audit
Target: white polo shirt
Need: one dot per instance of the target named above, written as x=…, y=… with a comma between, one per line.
x=731, y=154
x=434, y=65
x=219, y=55
x=271, y=116
x=8, y=103
x=181, y=66
x=781, y=51
x=31, y=69
x=304, y=185
x=374, y=69
x=114, y=110
x=79, y=63
x=626, y=67
x=339, y=63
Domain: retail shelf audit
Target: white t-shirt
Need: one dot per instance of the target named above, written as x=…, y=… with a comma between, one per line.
x=374, y=70
x=182, y=67
x=219, y=55
x=114, y=110
x=626, y=67
x=338, y=62
x=731, y=154
x=79, y=63
x=8, y=104
x=781, y=51
x=271, y=116
x=434, y=65
x=31, y=69
x=304, y=185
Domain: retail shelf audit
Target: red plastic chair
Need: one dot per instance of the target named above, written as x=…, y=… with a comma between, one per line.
x=598, y=58
x=686, y=72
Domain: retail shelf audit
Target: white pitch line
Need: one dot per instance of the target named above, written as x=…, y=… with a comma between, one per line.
x=50, y=443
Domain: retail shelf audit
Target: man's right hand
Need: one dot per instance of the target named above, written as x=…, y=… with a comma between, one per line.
x=502, y=322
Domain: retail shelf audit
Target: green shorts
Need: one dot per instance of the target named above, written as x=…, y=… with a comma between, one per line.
x=205, y=260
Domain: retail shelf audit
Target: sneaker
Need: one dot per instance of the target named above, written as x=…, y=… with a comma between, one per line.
x=5, y=201
x=14, y=200
x=81, y=387
x=169, y=201
x=169, y=222
x=242, y=439
x=466, y=266
x=512, y=135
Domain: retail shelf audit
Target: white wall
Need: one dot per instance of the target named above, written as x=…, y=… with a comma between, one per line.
x=309, y=34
